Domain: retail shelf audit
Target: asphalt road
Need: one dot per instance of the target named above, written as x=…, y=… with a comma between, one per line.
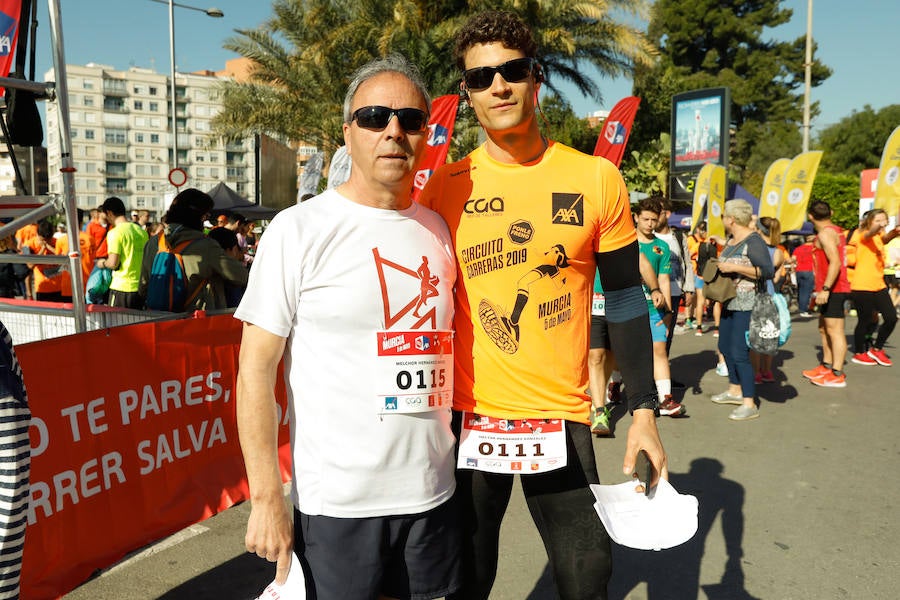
x=801, y=503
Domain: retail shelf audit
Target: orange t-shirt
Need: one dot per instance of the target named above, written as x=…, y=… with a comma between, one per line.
x=86, y=250
x=867, y=257
x=525, y=238
x=44, y=283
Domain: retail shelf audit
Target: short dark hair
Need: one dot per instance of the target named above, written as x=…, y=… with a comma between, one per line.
x=650, y=205
x=188, y=209
x=224, y=237
x=494, y=26
x=819, y=210
x=113, y=205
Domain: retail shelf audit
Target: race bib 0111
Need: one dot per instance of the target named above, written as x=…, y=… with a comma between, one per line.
x=511, y=445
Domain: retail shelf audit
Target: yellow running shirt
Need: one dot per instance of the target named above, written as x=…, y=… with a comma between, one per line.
x=525, y=238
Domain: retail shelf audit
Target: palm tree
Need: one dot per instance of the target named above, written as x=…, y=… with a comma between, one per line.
x=305, y=53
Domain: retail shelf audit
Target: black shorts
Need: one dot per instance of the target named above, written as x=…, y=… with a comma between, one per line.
x=599, y=333
x=834, y=308
x=415, y=557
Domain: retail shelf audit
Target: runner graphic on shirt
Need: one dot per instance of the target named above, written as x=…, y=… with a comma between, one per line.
x=429, y=285
x=503, y=329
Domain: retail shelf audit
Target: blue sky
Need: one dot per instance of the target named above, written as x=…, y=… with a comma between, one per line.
x=855, y=40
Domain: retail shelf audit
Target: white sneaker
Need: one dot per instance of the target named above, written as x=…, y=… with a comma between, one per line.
x=722, y=369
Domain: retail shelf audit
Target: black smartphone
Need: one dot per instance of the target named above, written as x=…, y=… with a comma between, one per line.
x=643, y=470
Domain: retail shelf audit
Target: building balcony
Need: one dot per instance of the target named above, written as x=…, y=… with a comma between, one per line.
x=114, y=90
x=115, y=190
x=116, y=156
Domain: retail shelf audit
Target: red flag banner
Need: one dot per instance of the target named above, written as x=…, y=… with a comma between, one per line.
x=440, y=130
x=9, y=34
x=616, y=129
x=133, y=438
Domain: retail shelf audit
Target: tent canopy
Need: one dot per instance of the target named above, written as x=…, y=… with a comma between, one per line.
x=226, y=199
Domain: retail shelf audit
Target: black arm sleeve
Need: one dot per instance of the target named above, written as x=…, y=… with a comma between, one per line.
x=628, y=322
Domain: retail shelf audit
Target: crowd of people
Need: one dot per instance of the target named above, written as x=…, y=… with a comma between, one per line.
x=216, y=266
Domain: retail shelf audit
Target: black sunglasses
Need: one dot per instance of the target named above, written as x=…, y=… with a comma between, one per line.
x=378, y=117
x=512, y=71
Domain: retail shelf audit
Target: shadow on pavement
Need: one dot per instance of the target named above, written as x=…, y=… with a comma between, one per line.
x=243, y=577
x=675, y=573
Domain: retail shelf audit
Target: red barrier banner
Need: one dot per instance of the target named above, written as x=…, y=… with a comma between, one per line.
x=616, y=129
x=440, y=130
x=133, y=438
x=9, y=34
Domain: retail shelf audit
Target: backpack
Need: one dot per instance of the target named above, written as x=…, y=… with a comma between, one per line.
x=167, y=289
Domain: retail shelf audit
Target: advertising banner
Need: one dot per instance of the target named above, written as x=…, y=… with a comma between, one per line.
x=133, y=438
x=9, y=34
x=770, y=198
x=701, y=195
x=887, y=193
x=440, y=130
x=797, y=186
x=616, y=129
x=718, y=189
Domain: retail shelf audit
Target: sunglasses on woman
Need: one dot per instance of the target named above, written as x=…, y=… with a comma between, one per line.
x=512, y=71
x=378, y=117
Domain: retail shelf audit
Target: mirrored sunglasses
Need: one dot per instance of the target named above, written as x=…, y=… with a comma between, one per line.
x=378, y=117
x=512, y=71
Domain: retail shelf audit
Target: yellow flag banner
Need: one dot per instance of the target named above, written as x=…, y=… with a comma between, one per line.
x=718, y=188
x=887, y=194
x=770, y=198
x=701, y=194
x=797, y=186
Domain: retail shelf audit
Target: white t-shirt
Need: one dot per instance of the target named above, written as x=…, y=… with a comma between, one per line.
x=334, y=277
x=682, y=274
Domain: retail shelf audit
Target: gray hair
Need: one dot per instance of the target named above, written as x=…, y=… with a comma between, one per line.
x=739, y=210
x=392, y=63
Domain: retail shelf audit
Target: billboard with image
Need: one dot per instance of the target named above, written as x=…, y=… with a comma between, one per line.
x=700, y=120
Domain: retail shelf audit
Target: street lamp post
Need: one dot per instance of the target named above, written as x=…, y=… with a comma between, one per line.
x=212, y=12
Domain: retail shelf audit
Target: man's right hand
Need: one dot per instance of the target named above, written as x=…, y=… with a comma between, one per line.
x=270, y=535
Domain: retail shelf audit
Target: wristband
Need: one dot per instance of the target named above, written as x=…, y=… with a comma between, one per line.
x=651, y=403
x=655, y=290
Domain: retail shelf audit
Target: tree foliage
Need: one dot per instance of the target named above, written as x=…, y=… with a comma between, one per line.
x=856, y=142
x=306, y=51
x=708, y=43
x=841, y=192
x=647, y=170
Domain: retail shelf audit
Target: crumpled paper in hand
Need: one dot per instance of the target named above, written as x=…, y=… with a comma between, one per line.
x=661, y=520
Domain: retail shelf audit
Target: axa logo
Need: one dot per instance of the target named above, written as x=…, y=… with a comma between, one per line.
x=437, y=135
x=484, y=206
x=8, y=25
x=568, y=209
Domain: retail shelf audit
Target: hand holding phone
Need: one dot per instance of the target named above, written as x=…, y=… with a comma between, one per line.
x=643, y=471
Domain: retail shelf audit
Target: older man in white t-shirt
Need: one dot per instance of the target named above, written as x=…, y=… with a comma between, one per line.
x=354, y=288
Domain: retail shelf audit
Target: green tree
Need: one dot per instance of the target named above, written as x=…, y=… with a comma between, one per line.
x=857, y=141
x=647, y=170
x=841, y=192
x=564, y=126
x=708, y=43
x=304, y=55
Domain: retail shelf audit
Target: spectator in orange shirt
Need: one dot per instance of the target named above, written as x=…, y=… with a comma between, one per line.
x=46, y=277
x=86, y=251
x=865, y=252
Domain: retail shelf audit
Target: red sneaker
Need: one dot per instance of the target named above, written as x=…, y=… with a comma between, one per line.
x=830, y=380
x=670, y=408
x=614, y=392
x=863, y=358
x=880, y=357
x=816, y=373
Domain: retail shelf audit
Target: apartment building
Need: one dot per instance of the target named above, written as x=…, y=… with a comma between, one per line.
x=121, y=137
